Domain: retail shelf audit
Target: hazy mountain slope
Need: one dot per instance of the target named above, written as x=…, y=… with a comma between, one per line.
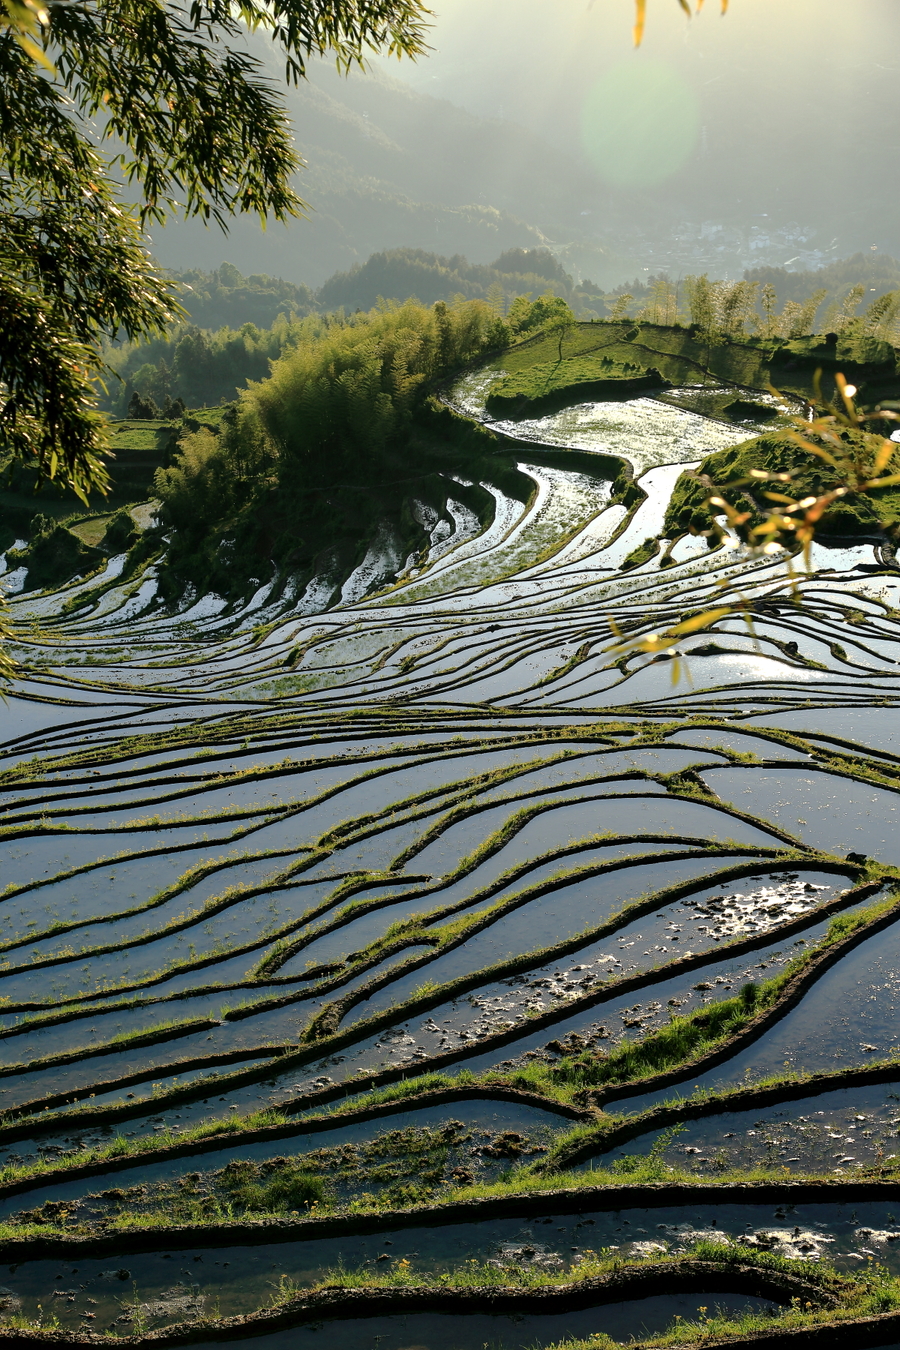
x=877, y=272
x=390, y=167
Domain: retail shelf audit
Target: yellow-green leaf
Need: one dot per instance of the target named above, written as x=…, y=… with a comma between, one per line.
x=885, y=451
x=703, y=620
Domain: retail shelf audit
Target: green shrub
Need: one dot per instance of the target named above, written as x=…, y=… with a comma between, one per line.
x=777, y=452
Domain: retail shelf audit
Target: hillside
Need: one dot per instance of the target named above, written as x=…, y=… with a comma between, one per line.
x=391, y=167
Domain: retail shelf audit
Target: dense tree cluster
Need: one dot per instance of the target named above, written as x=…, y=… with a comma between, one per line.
x=195, y=367
x=341, y=404
x=118, y=100
x=401, y=273
x=530, y=288
x=202, y=367
x=875, y=273
x=224, y=298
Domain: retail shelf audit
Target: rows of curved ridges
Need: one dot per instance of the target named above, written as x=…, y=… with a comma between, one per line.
x=355, y=939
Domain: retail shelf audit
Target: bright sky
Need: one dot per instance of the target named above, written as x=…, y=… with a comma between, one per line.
x=778, y=95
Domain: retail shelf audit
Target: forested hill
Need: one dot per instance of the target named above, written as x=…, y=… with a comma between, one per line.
x=405, y=272
x=239, y=324
x=224, y=298
x=878, y=273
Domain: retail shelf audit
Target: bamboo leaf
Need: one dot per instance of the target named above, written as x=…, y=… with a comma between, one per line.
x=654, y=642
x=36, y=53
x=843, y=386
x=27, y=20
x=698, y=621
x=813, y=449
x=885, y=451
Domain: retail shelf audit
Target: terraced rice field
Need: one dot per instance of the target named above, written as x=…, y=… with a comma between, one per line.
x=433, y=970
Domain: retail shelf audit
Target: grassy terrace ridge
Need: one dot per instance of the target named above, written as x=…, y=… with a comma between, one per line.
x=547, y=384
x=418, y=806
x=177, y=1221
x=380, y=1150
x=709, y=1031
x=777, y=452
x=430, y=995
x=688, y=356
x=324, y=1027
x=594, y=743
x=442, y=1089
x=349, y=883
x=602, y=733
x=185, y=785
x=691, y=1042
x=809, y=1297
x=247, y=733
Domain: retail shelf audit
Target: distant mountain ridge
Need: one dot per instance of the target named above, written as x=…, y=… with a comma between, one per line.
x=224, y=298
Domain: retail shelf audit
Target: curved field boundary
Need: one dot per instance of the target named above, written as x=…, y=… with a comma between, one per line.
x=860, y=1333
x=69, y=1096
x=332, y=975
x=332, y=1302
x=187, y=785
x=293, y=1058
x=324, y=1028
x=347, y=884
x=699, y=847
x=614, y=1134
x=233, y=1139
x=153, y=1036
x=793, y=992
x=335, y=839
x=540, y=1202
x=740, y=1099
x=307, y=726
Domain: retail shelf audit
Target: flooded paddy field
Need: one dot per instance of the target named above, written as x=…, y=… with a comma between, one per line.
x=441, y=970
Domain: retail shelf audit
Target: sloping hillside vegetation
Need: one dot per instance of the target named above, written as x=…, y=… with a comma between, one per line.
x=309, y=462
x=401, y=273
x=238, y=325
x=731, y=474
x=387, y=166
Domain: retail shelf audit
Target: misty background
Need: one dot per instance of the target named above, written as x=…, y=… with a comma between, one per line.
x=765, y=138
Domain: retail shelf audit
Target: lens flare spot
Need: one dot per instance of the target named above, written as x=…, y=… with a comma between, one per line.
x=639, y=123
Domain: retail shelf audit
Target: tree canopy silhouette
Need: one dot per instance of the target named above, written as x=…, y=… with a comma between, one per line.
x=116, y=113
